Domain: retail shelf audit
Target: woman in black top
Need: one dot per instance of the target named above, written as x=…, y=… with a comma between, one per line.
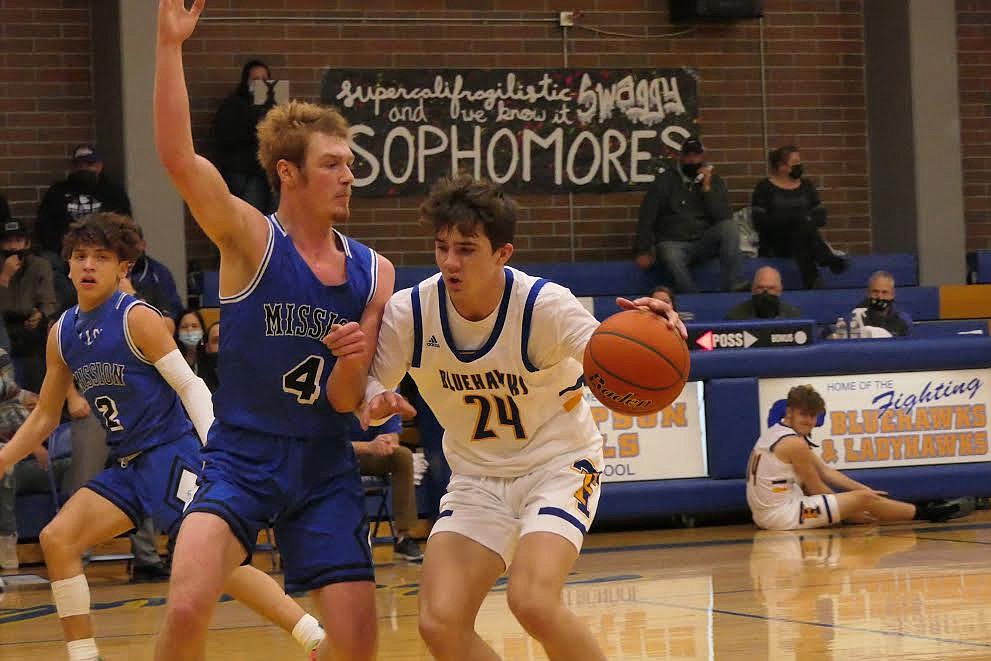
x=787, y=215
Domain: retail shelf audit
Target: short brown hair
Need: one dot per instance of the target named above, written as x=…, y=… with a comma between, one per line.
x=806, y=399
x=113, y=231
x=285, y=131
x=470, y=205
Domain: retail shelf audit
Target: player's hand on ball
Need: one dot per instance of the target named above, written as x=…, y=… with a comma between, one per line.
x=384, y=405
x=658, y=307
x=347, y=341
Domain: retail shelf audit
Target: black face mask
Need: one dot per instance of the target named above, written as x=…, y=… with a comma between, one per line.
x=4, y=254
x=85, y=177
x=766, y=305
x=796, y=171
x=878, y=304
x=691, y=170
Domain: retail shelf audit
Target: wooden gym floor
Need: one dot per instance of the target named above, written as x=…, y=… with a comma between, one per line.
x=918, y=591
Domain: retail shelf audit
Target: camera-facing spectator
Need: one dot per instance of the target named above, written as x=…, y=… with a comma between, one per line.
x=877, y=313
x=27, y=300
x=765, y=299
x=685, y=218
x=787, y=214
x=85, y=190
x=235, y=132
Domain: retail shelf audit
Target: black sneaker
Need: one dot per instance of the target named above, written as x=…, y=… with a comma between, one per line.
x=407, y=549
x=149, y=574
x=942, y=511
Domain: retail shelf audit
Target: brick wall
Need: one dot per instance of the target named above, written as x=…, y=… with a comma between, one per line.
x=974, y=61
x=814, y=58
x=46, y=95
x=814, y=71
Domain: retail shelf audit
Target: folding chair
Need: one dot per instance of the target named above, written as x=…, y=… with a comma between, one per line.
x=379, y=487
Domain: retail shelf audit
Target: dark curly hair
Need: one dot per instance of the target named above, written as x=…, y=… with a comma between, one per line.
x=112, y=231
x=806, y=399
x=471, y=206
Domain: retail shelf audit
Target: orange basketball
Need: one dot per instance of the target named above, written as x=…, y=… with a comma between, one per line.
x=635, y=364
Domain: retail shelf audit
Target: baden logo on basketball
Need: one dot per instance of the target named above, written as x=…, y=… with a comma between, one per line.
x=597, y=384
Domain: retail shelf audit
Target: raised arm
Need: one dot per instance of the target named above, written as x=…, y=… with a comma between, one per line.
x=232, y=224
x=46, y=414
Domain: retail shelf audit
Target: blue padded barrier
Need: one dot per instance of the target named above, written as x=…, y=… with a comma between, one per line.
x=846, y=357
x=949, y=327
x=979, y=267
x=904, y=266
x=917, y=483
x=623, y=277
x=631, y=501
x=732, y=424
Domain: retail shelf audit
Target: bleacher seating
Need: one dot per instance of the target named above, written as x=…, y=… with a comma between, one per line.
x=979, y=267
x=623, y=277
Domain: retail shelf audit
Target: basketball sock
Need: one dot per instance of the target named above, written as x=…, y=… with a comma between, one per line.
x=308, y=632
x=83, y=650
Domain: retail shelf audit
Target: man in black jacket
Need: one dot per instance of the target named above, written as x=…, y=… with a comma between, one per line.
x=84, y=191
x=878, y=309
x=685, y=218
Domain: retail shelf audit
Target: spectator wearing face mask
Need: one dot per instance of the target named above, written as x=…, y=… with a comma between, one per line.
x=190, y=336
x=685, y=218
x=878, y=309
x=765, y=300
x=788, y=213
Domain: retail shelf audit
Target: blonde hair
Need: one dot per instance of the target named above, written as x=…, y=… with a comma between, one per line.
x=285, y=132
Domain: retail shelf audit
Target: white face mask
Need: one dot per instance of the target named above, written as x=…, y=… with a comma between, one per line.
x=190, y=338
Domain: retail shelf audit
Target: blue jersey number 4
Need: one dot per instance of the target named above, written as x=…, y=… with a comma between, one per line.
x=303, y=380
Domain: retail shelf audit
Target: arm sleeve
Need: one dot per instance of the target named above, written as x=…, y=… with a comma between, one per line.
x=817, y=212
x=561, y=327
x=394, y=350
x=195, y=396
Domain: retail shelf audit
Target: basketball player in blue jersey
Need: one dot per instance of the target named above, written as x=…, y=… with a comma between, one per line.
x=496, y=354
x=301, y=306
x=124, y=361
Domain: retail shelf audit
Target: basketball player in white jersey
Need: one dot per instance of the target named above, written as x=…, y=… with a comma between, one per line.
x=496, y=354
x=789, y=487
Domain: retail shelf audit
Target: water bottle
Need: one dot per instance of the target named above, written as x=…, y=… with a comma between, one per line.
x=855, y=326
x=839, y=329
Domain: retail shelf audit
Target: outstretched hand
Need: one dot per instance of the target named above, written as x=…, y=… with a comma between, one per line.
x=384, y=405
x=661, y=308
x=175, y=22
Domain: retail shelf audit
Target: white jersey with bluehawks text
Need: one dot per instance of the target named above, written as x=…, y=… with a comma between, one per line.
x=503, y=414
x=138, y=407
x=273, y=365
x=772, y=483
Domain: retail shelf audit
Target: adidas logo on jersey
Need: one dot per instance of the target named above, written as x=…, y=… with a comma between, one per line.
x=432, y=342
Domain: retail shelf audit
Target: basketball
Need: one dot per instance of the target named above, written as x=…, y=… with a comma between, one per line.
x=635, y=364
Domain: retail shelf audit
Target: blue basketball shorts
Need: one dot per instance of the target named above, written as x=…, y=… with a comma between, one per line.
x=158, y=483
x=309, y=490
